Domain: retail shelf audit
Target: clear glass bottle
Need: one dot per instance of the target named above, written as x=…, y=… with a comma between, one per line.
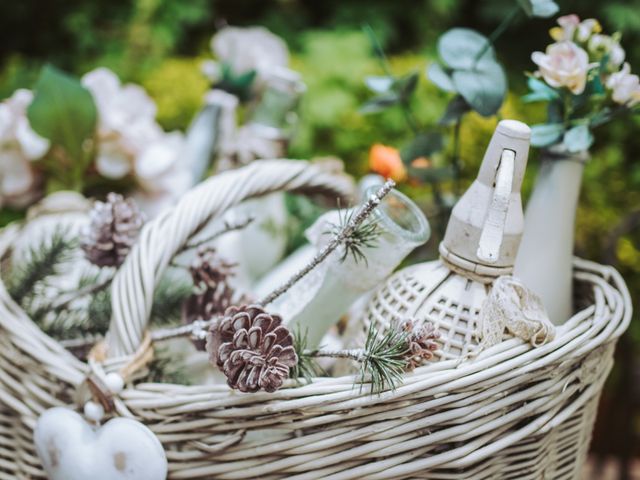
x=319, y=300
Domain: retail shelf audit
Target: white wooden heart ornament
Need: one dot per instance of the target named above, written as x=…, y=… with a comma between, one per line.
x=122, y=449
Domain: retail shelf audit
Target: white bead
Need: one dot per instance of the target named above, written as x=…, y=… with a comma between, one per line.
x=93, y=411
x=114, y=382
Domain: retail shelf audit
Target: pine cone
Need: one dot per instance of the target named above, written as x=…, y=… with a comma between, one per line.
x=213, y=294
x=253, y=349
x=112, y=231
x=422, y=342
x=209, y=269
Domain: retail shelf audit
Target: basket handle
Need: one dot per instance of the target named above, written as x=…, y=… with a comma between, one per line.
x=160, y=239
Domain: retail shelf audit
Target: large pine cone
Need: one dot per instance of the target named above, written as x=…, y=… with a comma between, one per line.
x=113, y=229
x=253, y=349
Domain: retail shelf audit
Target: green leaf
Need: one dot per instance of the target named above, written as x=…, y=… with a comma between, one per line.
x=459, y=47
x=424, y=145
x=578, y=139
x=379, y=84
x=437, y=74
x=546, y=134
x=539, y=8
x=379, y=103
x=406, y=85
x=432, y=175
x=456, y=108
x=484, y=89
x=540, y=91
x=63, y=111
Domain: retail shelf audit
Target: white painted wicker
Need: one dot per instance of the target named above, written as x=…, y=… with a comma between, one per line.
x=513, y=412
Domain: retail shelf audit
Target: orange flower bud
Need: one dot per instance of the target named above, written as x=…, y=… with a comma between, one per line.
x=386, y=161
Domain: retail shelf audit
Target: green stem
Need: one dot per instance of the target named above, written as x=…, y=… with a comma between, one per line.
x=456, y=157
x=511, y=16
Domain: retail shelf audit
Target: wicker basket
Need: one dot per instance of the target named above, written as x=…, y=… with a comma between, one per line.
x=513, y=412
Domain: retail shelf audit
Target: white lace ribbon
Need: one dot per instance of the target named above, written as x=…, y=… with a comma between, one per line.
x=513, y=307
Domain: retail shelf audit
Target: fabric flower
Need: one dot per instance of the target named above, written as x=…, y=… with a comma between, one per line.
x=19, y=146
x=249, y=49
x=625, y=86
x=386, y=161
x=601, y=45
x=564, y=64
x=570, y=26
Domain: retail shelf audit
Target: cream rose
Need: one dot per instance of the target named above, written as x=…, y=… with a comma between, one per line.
x=564, y=64
x=625, y=86
x=606, y=45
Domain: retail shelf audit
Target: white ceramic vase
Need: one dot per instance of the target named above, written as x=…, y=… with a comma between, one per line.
x=545, y=259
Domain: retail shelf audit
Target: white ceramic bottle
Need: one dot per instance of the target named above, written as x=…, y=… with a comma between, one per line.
x=545, y=259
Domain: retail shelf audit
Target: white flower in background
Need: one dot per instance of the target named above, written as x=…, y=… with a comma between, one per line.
x=19, y=145
x=251, y=48
x=570, y=26
x=126, y=122
x=605, y=45
x=564, y=64
x=131, y=142
x=625, y=86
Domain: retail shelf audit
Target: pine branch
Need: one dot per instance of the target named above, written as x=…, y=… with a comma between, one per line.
x=343, y=235
x=41, y=262
x=307, y=366
x=383, y=359
x=168, y=300
x=199, y=328
x=164, y=368
x=363, y=236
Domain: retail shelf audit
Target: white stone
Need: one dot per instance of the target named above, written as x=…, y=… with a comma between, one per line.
x=122, y=449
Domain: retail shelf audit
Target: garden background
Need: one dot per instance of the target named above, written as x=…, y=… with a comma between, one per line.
x=162, y=43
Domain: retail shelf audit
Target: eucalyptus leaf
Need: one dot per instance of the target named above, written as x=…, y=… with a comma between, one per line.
x=423, y=145
x=459, y=48
x=440, y=77
x=64, y=112
x=578, y=139
x=456, y=108
x=406, y=85
x=380, y=103
x=379, y=84
x=538, y=86
x=539, y=8
x=546, y=134
x=484, y=88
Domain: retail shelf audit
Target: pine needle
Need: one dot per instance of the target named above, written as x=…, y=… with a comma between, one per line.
x=363, y=236
x=41, y=262
x=384, y=360
x=168, y=299
x=307, y=366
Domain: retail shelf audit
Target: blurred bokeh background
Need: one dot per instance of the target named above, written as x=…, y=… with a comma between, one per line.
x=161, y=44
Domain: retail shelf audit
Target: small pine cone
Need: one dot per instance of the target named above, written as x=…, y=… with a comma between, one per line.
x=209, y=269
x=422, y=342
x=252, y=348
x=213, y=293
x=113, y=229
